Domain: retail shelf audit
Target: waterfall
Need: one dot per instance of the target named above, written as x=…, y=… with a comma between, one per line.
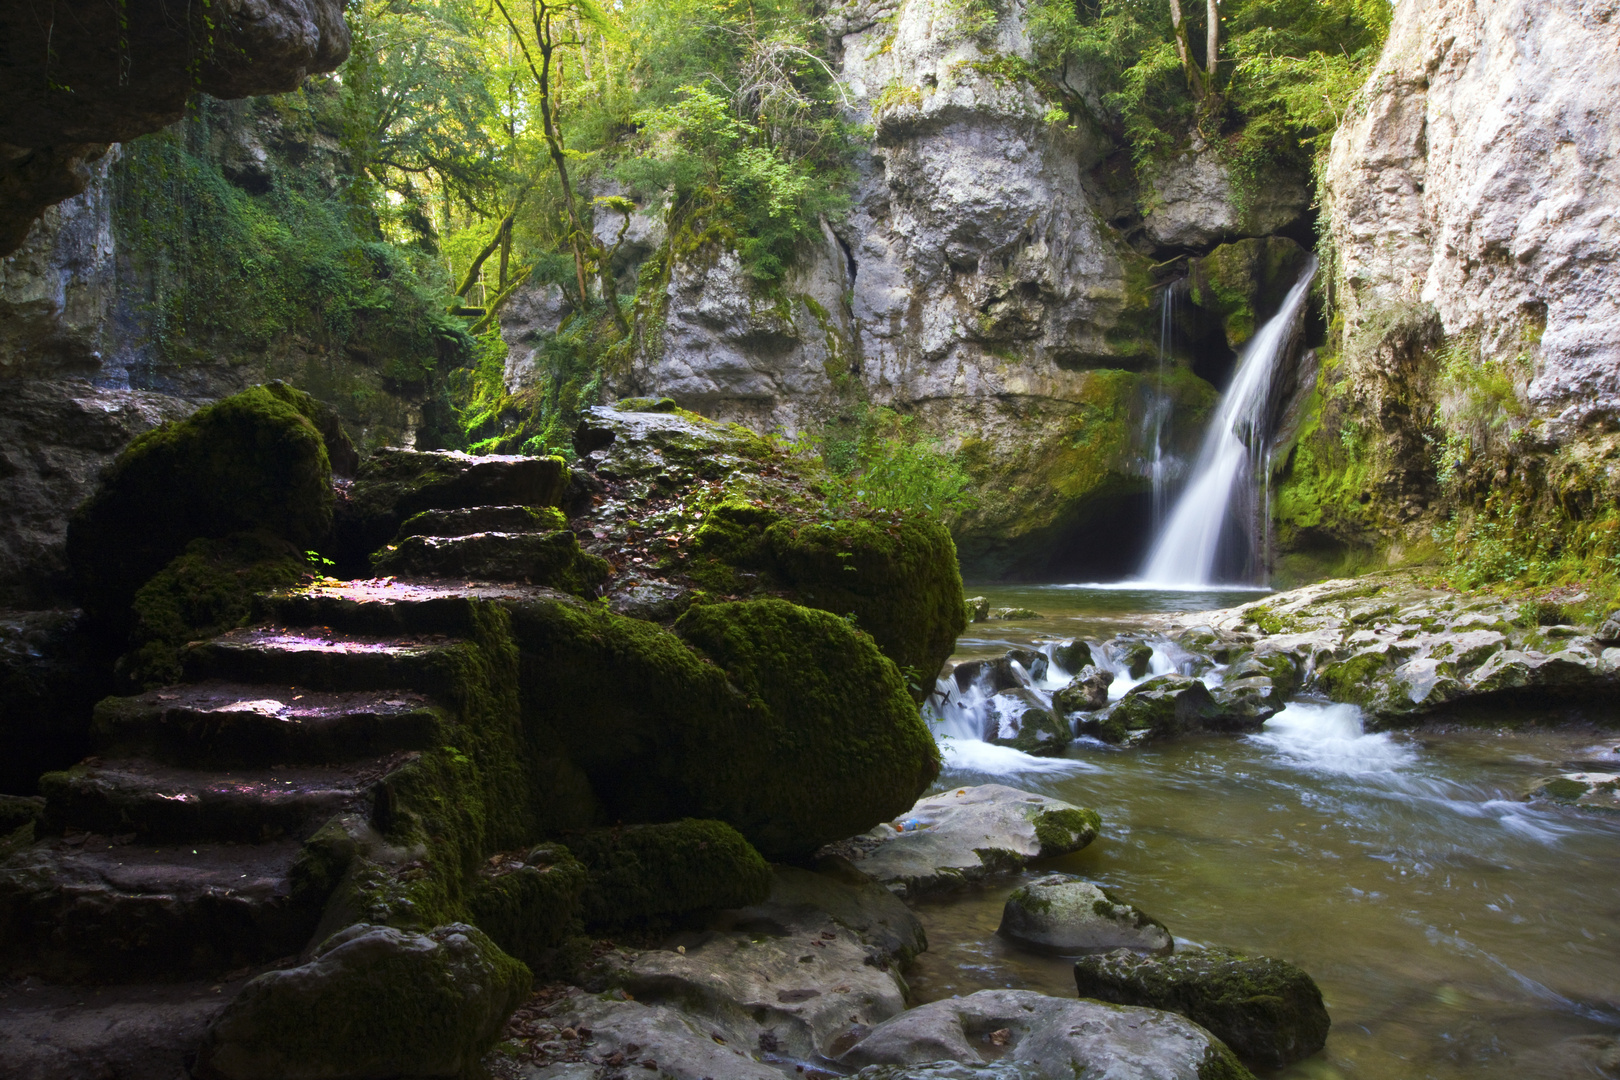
x=1159, y=414
x=1222, y=485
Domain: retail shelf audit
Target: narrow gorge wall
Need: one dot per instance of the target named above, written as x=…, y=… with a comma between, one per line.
x=1471, y=198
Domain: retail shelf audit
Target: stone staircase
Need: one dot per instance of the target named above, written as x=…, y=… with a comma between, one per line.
x=178, y=850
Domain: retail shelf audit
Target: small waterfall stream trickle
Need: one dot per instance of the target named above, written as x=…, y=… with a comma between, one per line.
x=1159, y=412
x=1222, y=488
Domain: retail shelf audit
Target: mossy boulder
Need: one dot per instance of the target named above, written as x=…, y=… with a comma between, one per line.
x=642, y=872
x=205, y=591
x=1062, y=914
x=1086, y=692
x=1355, y=679
x=1268, y=1011
x=783, y=721
x=527, y=900
x=1161, y=708
x=373, y=1002
x=252, y=462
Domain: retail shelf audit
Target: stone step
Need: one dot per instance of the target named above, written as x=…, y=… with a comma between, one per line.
x=388, y=606
x=145, y=799
x=552, y=559
x=481, y=519
x=87, y=908
x=322, y=659
x=220, y=723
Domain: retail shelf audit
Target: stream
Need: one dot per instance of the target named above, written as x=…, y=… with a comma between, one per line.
x=1455, y=930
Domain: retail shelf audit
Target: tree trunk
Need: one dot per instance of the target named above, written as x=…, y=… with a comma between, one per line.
x=1213, y=46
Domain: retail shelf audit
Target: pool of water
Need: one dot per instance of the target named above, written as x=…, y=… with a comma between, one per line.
x=1455, y=930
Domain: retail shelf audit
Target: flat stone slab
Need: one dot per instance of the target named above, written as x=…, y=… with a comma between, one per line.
x=613, y=1037
x=1019, y=1033
x=967, y=834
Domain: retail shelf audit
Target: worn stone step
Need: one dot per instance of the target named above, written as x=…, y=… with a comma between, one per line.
x=388, y=606
x=147, y=799
x=322, y=659
x=552, y=559
x=480, y=519
x=92, y=909
x=220, y=723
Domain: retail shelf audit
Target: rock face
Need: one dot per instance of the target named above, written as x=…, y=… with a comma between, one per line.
x=1042, y=1037
x=967, y=834
x=1268, y=1011
x=1479, y=179
x=1061, y=914
x=94, y=75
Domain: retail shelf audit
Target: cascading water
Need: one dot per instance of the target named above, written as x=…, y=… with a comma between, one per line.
x=1234, y=454
x=1159, y=414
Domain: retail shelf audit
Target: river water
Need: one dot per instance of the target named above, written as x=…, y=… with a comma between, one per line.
x=1455, y=930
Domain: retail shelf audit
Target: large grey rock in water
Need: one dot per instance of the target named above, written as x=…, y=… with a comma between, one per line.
x=1062, y=914
x=373, y=1002
x=967, y=834
x=1268, y=1011
x=1042, y=1037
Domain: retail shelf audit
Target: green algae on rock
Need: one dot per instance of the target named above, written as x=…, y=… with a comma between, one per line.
x=1268, y=1011
x=640, y=872
x=373, y=1001
x=253, y=461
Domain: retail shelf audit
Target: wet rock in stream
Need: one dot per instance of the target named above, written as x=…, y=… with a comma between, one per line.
x=1268, y=1011
x=1062, y=914
x=967, y=834
x=1020, y=1033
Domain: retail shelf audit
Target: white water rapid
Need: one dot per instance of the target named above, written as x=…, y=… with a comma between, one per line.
x=1223, y=478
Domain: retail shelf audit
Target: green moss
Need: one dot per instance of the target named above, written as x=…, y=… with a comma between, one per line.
x=1351, y=680
x=249, y=462
x=206, y=591
x=641, y=872
x=527, y=901
x=1221, y=1064
x=1066, y=829
x=1565, y=789
x=782, y=721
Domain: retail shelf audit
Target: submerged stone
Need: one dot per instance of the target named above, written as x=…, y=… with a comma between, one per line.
x=1586, y=790
x=373, y=1002
x=1062, y=914
x=1268, y=1011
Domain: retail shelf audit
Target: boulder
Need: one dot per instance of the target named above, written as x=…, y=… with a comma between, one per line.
x=1416, y=687
x=636, y=872
x=1160, y=708
x=252, y=462
x=1246, y=704
x=978, y=609
x=1609, y=632
x=1086, y=692
x=1072, y=656
x=616, y=1031
x=1022, y=723
x=968, y=834
x=1062, y=914
x=1268, y=1011
x=784, y=722
x=527, y=900
x=1134, y=656
x=1041, y=1037
x=374, y=1001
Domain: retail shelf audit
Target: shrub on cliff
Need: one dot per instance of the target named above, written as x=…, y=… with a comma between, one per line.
x=254, y=461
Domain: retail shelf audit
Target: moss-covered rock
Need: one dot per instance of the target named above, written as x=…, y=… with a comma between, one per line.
x=1244, y=282
x=205, y=591
x=1161, y=708
x=527, y=900
x=373, y=1002
x=552, y=559
x=1086, y=692
x=251, y=462
x=641, y=872
x=1061, y=914
x=1268, y=1011
x=783, y=721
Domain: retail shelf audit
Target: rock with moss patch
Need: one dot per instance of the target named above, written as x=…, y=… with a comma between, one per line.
x=1513, y=669
x=1246, y=704
x=1086, y=692
x=1416, y=687
x=1133, y=656
x=374, y=1001
x=640, y=872
x=967, y=834
x=527, y=900
x=1031, y=1035
x=253, y=461
x=1062, y=914
x=783, y=721
x=552, y=559
x=1609, y=632
x=1586, y=790
x=1072, y=656
x=204, y=592
x=1268, y=1011
x=1032, y=729
x=977, y=608
x=1164, y=707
